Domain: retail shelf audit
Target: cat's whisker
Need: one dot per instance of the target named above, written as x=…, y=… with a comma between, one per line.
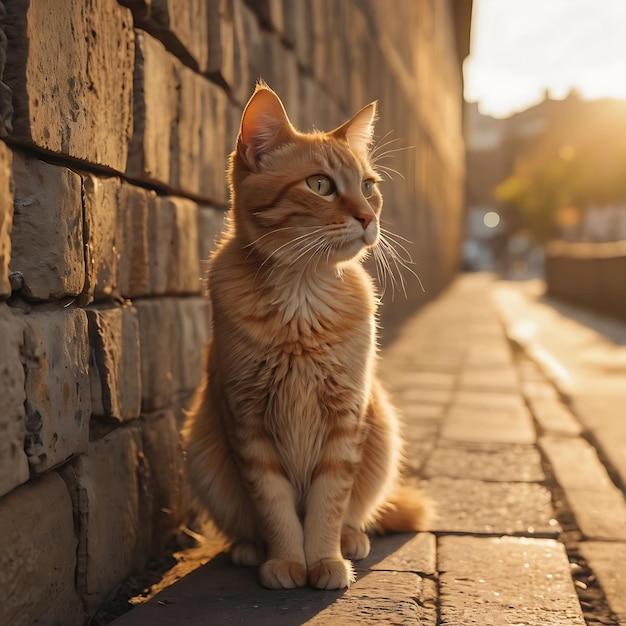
x=388, y=170
x=388, y=235
x=399, y=260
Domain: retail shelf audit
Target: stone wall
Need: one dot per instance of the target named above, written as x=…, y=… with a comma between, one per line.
x=591, y=275
x=116, y=119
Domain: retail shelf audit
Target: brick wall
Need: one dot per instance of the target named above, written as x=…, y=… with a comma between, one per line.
x=116, y=119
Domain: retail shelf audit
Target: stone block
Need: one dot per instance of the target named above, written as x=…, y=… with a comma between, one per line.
x=133, y=266
x=38, y=556
x=402, y=553
x=502, y=508
x=48, y=208
x=58, y=402
x=164, y=457
x=103, y=236
x=210, y=226
x=506, y=580
x=173, y=246
x=554, y=417
x=115, y=364
x=6, y=218
x=183, y=27
x=106, y=487
x=193, y=335
x=72, y=90
x=159, y=336
x=13, y=461
x=155, y=110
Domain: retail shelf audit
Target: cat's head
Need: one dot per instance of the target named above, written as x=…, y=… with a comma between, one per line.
x=304, y=198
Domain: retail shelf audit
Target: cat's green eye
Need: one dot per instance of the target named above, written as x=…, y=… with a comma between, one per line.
x=367, y=188
x=321, y=184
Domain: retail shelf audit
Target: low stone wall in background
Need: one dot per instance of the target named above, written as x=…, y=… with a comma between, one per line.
x=116, y=119
x=592, y=275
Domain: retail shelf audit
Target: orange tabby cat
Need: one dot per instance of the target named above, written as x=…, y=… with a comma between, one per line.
x=292, y=445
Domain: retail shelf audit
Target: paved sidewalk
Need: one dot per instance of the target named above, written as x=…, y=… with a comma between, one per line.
x=529, y=517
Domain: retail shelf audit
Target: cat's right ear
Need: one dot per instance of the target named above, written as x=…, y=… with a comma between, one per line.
x=264, y=126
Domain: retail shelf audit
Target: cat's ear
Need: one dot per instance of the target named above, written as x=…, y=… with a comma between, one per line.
x=359, y=131
x=264, y=126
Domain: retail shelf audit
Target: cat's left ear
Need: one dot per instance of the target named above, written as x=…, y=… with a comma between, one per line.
x=264, y=126
x=359, y=131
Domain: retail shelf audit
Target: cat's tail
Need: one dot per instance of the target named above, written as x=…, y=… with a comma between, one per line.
x=407, y=509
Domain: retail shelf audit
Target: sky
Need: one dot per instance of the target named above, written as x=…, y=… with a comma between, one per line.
x=521, y=48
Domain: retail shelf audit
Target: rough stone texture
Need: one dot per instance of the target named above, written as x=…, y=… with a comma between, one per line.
x=193, y=334
x=164, y=457
x=492, y=462
x=179, y=136
x=608, y=562
x=173, y=247
x=471, y=506
x=103, y=236
x=210, y=225
x=155, y=110
x=38, y=556
x=159, y=341
x=402, y=553
x=58, y=402
x=115, y=363
x=6, y=218
x=106, y=486
x=493, y=581
x=183, y=27
x=48, y=208
x=13, y=461
x=72, y=90
x=489, y=425
x=598, y=505
x=133, y=266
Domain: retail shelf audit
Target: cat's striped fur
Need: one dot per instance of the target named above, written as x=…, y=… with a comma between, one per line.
x=292, y=444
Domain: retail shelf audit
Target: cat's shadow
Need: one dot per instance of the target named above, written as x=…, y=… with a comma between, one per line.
x=219, y=593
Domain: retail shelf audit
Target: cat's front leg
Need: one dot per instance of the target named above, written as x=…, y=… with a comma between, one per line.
x=326, y=506
x=285, y=567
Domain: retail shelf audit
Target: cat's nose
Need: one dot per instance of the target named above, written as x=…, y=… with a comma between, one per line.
x=364, y=219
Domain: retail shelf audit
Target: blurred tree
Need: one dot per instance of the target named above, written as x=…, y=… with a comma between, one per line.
x=578, y=162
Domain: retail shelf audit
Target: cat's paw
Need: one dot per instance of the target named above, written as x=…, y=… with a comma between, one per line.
x=280, y=574
x=331, y=574
x=354, y=544
x=247, y=554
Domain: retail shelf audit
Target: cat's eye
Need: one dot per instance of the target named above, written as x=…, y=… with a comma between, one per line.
x=367, y=188
x=321, y=184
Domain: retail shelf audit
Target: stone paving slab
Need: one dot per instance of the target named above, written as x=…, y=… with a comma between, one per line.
x=490, y=462
x=478, y=507
x=554, y=417
x=506, y=582
x=608, y=561
x=489, y=425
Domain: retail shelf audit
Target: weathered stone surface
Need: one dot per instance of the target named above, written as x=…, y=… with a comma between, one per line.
x=103, y=236
x=492, y=462
x=58, y=402
x=402, y=553
x=210, y=226
x=608, y=562
x=598, y=505
x=164, y=456
x=472, y=506
x=13, y=461
x=489, y=425
x=183, y=28
x=502, y=379
x=48, y=208
x=115, y=363
x=178, y=137
x=105, y=486
x=159, y=342
x=155, y=110
x=554, y=417
x=173, y=246
x=72, y=90
x=492, y=581
x=38, y=556
x=133, y=266
x=193, y=335
x=6, y=218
